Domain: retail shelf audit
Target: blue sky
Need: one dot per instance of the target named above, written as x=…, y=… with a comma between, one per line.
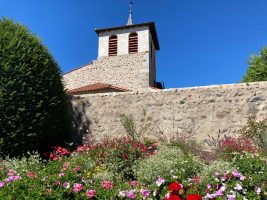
x=203, y=42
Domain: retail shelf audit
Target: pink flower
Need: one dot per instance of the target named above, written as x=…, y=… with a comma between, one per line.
x=2, y=184
x=77, y=187
x=32, y=175
x=131, y=194
x=57, y=183
x=66, y=185
x=210, y=196
x=242, y=178
x=160, y=181
x=12, y=178
x=107, y=185
x=134, y=183
x=61, y=174
x=236, y=173
x=65, y=165
x=11, y=173
x=219, y=193
x=90, y=193
x=144, y=192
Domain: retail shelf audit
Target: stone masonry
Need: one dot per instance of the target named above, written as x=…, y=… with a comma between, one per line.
x=125, y=71
x=197, y=111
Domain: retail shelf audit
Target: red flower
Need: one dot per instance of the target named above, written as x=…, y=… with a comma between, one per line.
x=175, y=187
x=194, y=197
x=172, y=197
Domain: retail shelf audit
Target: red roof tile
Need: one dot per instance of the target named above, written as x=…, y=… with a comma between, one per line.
x=94, y=87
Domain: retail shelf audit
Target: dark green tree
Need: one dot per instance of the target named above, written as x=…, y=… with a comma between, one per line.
x=257, y=70
x=34, y=108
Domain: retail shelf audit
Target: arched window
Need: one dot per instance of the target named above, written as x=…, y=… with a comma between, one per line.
x=113, y=45
x=133, y=43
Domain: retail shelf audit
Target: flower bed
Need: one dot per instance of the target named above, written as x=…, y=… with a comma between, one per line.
x=127, y=169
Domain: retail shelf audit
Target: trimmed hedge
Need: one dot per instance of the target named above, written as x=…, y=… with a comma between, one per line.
x=34, y=109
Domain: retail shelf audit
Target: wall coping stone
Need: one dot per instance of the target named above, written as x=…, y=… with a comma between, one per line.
x=261, y=84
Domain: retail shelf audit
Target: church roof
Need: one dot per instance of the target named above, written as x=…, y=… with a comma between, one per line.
x=94, y=88
x=151, y=25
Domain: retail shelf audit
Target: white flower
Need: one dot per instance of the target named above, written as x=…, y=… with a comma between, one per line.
x=238, y=187
x=258, y=190
x=122, y=194
x=160, y=181
x=167, y=195
x=223, y=188
x=155, y=193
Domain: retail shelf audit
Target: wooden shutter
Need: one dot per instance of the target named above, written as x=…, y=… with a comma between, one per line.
x=113, y=45
x=133, y=43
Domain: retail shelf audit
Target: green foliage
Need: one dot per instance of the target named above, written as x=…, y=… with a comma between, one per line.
x=34, y=111
x=257, y=70
x=120, y=155
x=216, y=167
x=130, y=126
x=253, y=166
x=257, y=132
x=187, y=146
x=167, y=162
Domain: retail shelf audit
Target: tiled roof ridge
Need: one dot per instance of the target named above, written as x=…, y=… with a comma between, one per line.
x=96, y=86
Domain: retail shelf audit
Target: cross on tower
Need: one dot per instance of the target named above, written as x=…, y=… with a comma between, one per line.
x=130, y=20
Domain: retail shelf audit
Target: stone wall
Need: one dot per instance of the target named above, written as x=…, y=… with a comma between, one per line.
x=125, y=71
x=196, y=111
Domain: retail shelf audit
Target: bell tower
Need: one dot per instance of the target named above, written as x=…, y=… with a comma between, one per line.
x=130, y=39
x=126, y=59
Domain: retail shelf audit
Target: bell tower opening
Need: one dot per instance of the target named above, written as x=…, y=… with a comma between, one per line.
x=133, y=43
x=113, y=45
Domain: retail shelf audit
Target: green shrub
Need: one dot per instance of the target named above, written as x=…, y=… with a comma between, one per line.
x=216, y=167
x=169, y=161
x=33, y=105
x=253, y=166
x=129, y=125
x=257, y=132
x=188, y=146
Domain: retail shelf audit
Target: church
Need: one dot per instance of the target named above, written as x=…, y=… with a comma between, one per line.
x=126, y=61
x=122, y=80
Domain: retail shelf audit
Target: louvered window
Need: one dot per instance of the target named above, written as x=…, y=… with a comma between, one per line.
x=113, y=45
x=133, y=43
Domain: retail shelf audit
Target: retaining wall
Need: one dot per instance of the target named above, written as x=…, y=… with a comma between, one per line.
x=196, y=111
